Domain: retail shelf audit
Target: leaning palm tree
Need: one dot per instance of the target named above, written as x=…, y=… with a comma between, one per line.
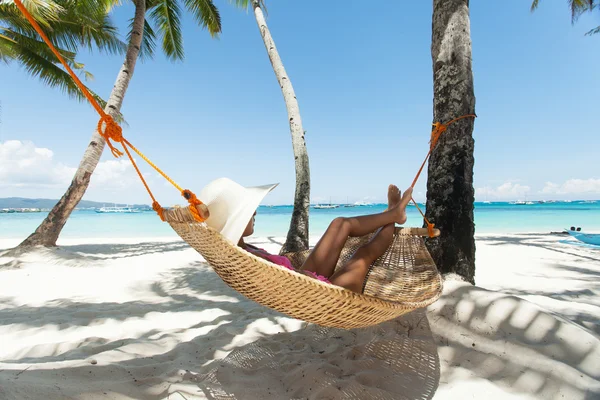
x=450, y=193
x=165, y=15
x=297, y=237
x=70, y=25
x=577, y=7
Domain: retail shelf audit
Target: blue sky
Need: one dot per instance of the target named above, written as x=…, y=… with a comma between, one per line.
x=363, y=79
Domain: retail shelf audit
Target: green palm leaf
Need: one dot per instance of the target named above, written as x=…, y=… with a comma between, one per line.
x=86, y=23
x=7, y=53
x=41, y=10
x=39, y=47
x=577, y=8
x=206, y=14
x=50, y=73
x=166, y=15
x=247, y=3
x=76, y=26
x=593, y=31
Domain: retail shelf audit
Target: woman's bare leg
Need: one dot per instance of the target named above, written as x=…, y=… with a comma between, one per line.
x=352, y=275
x=326, y=253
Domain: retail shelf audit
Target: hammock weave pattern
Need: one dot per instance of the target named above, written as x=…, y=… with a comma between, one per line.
x=403, y=279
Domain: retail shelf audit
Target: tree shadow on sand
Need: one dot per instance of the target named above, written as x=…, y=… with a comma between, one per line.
x=156, y=361
x=546, y=242
x=394, y=360
x=512, y=343
x=137, y=374
x=80, y=255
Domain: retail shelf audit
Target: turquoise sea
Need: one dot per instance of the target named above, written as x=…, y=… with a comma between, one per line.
x=274, y=220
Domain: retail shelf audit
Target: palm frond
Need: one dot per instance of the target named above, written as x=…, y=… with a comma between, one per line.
x=75, y=27
x=7, y=51
x=593, y=31
x=39, y=47
x=535, y=5
x=42, y=10
x=11, y=16
x=167, y=17
x=48, y=72
x=206, y=14
x=246, y=4
x=86, y=23
x=54, y=76
x=579, y=7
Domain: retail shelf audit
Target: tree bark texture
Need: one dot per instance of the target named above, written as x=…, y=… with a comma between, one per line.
x=297, y=237
x=48, y=231
x=450, y=192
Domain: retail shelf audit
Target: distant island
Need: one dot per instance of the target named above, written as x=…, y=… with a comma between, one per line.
x=21, y=202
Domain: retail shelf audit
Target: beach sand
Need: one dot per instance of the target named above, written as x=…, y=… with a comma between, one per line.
x=148, y=319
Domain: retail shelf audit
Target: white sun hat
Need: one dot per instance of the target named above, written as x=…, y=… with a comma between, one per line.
x=232, y=205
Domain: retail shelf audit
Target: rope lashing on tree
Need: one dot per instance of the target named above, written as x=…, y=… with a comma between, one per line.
x=438, y=129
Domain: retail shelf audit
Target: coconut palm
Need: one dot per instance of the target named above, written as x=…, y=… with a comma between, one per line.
x=165, y=16
x=577, y=7
x=450, y=193
x=297, y=237
x=70, y=25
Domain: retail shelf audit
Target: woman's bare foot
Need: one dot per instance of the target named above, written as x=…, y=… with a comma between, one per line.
x=393, y=196
x=397, y=204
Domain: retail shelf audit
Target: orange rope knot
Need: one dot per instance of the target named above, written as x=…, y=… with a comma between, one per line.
x=159, y=210
x=111, y=131
x=430, y=229
x=437, y=131
x=439, y=128
x=198, y=209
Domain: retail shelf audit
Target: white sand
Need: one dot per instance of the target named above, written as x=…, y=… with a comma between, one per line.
x=149, y=319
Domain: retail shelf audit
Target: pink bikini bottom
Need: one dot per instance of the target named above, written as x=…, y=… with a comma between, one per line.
x=315, y=275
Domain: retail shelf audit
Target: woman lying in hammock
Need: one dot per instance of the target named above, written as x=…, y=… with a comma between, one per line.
x=232, y=208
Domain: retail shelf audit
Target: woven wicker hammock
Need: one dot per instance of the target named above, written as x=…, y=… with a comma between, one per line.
x=403, y=279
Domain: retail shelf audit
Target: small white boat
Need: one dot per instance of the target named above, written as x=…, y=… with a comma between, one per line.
x=116, y=209
x=322, y=206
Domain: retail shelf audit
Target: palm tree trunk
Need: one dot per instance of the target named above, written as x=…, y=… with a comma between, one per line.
x=297, y=237
x=47, y=233
x=450, y=193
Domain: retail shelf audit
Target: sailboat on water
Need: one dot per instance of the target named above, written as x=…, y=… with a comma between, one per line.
x=325, y=206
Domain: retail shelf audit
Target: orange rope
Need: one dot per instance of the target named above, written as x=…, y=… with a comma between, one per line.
x=438, y=129
x=110, y=130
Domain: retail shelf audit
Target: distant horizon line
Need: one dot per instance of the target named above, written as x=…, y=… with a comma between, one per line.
x=355, y=204
x=423, y=202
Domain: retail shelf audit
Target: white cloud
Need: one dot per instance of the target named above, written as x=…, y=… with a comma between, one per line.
x=30, y=171
x=507, y=190
x=24, y=165
x=574, y=187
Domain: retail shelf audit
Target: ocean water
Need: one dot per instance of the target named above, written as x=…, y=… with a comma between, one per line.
x=274, y=220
